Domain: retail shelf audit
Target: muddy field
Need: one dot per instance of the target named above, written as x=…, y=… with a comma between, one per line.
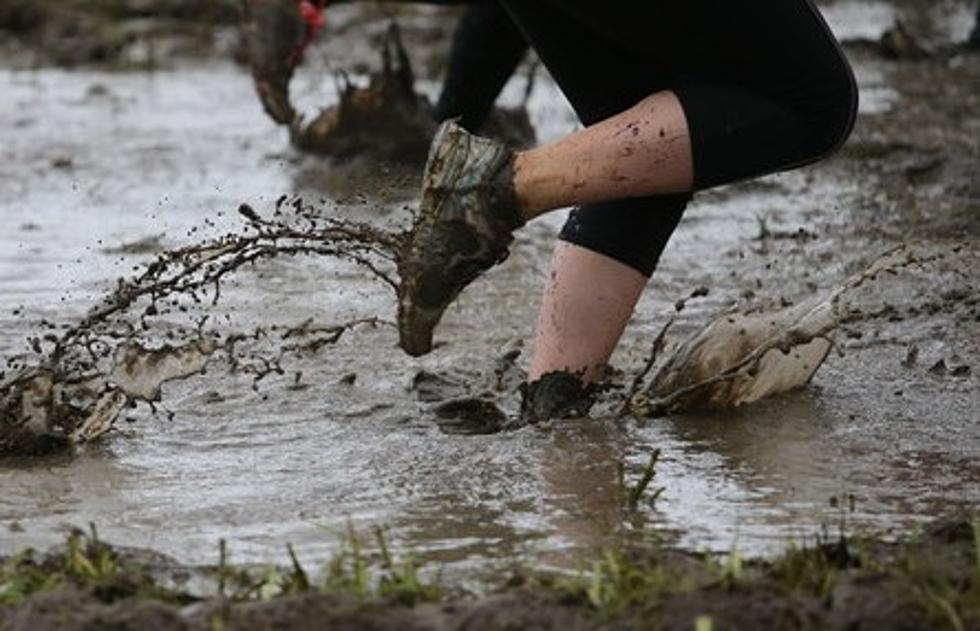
x=110, y=158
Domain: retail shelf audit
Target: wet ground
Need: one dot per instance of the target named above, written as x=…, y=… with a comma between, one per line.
x=886, y=436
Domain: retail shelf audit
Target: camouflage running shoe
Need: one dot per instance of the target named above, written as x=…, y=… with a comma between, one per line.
x=466, y=218
x=275, y=34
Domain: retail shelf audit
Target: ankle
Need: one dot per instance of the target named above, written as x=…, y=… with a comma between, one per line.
x=539, y=185
x=527, y=189
x=504, y=196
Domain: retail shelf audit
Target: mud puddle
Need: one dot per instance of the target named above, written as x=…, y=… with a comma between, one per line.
x=879, y=439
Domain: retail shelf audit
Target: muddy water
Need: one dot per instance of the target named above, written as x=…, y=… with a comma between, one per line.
x=92, y=161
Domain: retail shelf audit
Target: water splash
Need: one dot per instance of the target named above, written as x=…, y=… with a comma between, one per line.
x=739, y=358
x=388, y=120
x=76, y=384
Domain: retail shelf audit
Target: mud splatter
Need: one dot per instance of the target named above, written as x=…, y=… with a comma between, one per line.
x=120, y=354
x=739, y=358
x=388, y=120
x=77, y=383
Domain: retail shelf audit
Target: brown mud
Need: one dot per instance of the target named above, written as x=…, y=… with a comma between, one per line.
x=83, y=379
x=931, y=580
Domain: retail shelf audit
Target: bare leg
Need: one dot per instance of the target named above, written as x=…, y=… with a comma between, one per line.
x=585, y=307
x=641, y=152
x=590, y=297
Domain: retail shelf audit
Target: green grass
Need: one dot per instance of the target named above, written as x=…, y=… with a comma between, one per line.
x=85, y=563
x=353, y=572
x=620, y=582
x=935, y=578
x=951, y=599
x=88, y=564
x=631, y=495
x=812, y=571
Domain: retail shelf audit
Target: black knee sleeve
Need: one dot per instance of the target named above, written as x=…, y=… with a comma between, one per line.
x=631, y=231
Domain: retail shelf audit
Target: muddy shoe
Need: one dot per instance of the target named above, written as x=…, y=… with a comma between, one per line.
x=275, y=33
x=467, y=214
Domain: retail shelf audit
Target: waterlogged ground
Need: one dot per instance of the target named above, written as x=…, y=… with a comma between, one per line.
x=886, y=436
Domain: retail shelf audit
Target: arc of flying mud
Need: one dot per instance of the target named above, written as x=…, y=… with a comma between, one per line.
x=234, y=251
x=202, y=265
x=826, y=314
x=72, y=392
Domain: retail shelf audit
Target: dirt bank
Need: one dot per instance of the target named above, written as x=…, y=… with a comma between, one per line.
x=930, y=580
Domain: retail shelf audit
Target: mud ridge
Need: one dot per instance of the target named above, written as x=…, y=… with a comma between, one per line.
x=925, y=580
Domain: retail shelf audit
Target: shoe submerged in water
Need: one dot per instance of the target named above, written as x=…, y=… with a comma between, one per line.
x=464, y=226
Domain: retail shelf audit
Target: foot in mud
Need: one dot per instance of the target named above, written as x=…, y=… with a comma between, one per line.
x=275, y=34
x=557, y=394
x=466, y=218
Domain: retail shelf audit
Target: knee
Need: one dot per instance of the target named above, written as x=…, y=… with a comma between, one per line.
x=632, y=231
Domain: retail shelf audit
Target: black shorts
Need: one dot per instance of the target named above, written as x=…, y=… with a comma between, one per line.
x=763, y=83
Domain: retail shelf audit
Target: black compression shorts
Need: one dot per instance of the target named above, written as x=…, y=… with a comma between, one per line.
x=486, y=49
x=764, y=87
